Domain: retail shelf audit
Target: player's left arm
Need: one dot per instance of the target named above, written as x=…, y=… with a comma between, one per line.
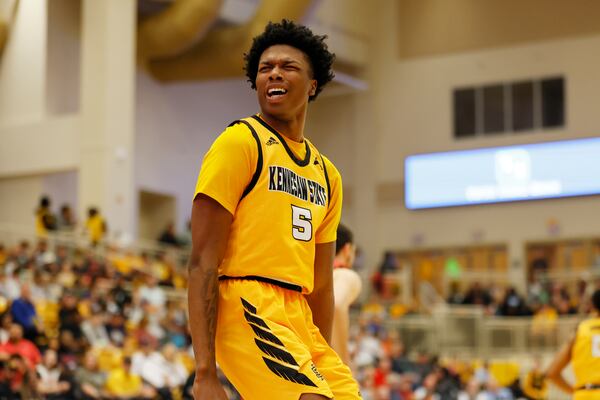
x=321, y=300
x=561, y=360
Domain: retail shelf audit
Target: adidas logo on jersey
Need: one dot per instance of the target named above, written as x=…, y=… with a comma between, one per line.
x=271, y=141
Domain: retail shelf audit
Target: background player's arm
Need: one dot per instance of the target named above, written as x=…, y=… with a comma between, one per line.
x=346, y=288
x=321, y=298
x=210, y=231
x=561, y=360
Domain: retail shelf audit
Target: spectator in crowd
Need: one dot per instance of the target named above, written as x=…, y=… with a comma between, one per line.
x=482, y=373
x=70, y=319
x=152, y=367
x=17, y=344
x=10, y=288
x=90, y=379
x=43, y=255
x=152, y=293
x=95, y=226
x=163, y=269
x=66, y=220
x=513, y=305
x=122, y=383
x=21, y=257
x=455, y=296
x=6, y=321
x=95, y=331
x=168, y=236
x=535, y=386
x=45, y=220
x=24, y=313
x=52, y=382
x=174, y=370
x=477, y=295
x=116, y=328
x=400, y=362
x=21, y=378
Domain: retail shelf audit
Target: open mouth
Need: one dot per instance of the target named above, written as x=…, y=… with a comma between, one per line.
x=276, y=93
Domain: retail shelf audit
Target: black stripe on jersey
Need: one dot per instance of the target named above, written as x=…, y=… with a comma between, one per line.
x=287, y=373
x=249, y=307
x=326, y=180
x=259, y=161
x=301, y=163
x=265, y=335
x=255, y=320
x=276, y=352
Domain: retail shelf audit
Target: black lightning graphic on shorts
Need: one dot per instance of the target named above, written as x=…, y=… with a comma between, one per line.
x=262, y=330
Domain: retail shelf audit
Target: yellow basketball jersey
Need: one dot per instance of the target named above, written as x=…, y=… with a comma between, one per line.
x=284, y=197
x=585, y=355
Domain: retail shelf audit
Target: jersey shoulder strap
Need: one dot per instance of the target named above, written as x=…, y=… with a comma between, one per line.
x=259, y=160
x=326, y=179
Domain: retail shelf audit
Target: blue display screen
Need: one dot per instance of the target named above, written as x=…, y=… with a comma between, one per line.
x=500, y=174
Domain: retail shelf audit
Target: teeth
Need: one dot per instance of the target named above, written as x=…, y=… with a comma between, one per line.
x=276, y=91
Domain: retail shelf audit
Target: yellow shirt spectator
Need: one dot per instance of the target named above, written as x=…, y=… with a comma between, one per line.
x=535, y=385
x=121, y=383
x=96, y=227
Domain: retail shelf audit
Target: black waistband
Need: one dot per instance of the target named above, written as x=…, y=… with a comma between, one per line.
x=589, y=386
x=283, y=285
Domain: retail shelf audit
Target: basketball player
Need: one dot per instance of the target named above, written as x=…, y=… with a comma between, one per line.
x=346, y=288
x=264, y=220
x=583, y=352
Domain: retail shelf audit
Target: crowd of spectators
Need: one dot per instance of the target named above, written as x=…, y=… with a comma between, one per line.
x=95, y=227
x=386, y=370
x=78, y=325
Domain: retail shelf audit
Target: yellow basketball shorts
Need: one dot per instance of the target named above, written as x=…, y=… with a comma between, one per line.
x=269, y=348
x=586, y=395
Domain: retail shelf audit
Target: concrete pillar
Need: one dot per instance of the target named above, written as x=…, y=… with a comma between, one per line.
x=106, y=174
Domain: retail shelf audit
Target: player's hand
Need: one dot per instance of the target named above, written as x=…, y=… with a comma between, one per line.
x=208, y=387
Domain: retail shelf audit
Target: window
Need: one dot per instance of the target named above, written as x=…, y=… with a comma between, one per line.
x=553, y=103
x=464, y=112
x=522, y=106
x=509, y=107
x=493, y=109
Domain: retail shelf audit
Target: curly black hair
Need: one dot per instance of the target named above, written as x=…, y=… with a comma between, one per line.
x=300, y=37
x=596, y=300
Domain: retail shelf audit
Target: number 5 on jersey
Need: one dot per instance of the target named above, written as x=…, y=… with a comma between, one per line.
x=301, y=223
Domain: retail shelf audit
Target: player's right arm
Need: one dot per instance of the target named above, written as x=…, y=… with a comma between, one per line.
x=226, y=170
x=210, y=230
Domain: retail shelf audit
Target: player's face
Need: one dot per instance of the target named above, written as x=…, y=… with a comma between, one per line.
x=284, y=81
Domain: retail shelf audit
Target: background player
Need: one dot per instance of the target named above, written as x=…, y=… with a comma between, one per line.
x=583, y=351
x=346, y=288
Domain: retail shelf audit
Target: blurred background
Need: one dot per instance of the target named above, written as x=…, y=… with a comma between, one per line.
x=465, y=132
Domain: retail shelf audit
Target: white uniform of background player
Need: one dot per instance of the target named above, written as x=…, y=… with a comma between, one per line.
x=346, y=288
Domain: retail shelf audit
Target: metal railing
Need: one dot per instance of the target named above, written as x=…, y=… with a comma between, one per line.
x=466, y=330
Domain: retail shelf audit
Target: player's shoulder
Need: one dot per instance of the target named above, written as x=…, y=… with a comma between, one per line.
x=236, y=134
x=589, y=323
x=332, y=171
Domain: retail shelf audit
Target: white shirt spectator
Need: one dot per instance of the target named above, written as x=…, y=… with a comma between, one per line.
x=154, y=295
x=157, y=371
